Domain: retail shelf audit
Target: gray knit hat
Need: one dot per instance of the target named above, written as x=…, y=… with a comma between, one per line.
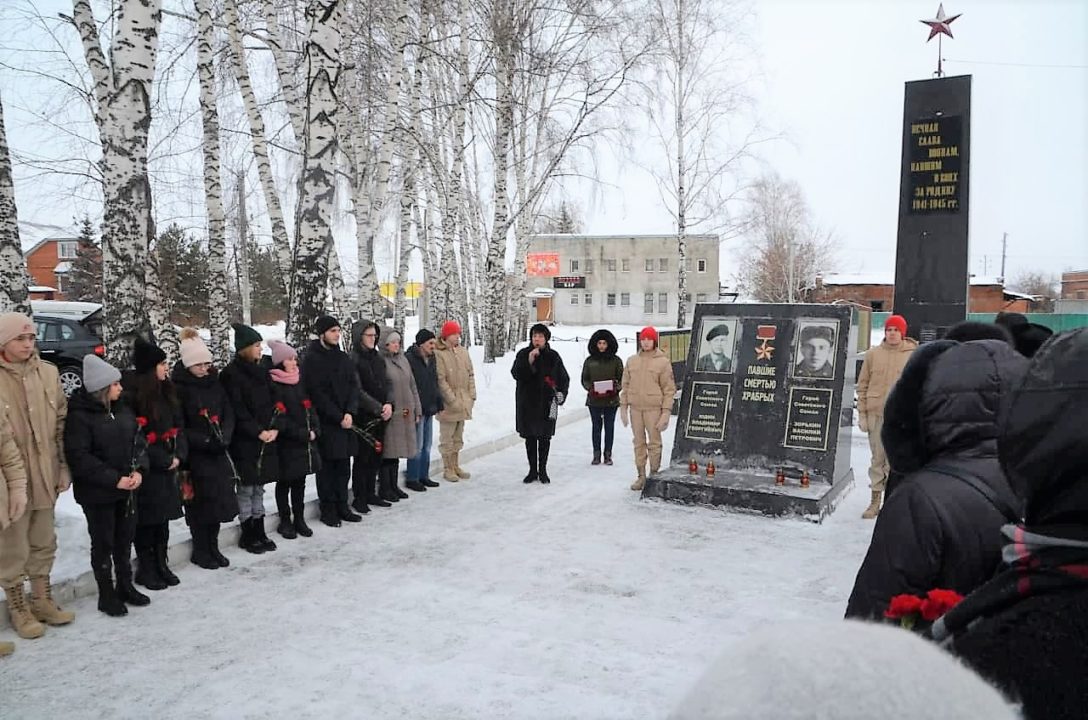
x=98, y=374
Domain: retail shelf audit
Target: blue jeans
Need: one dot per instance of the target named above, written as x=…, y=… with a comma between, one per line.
x=603, y=417
x=419, y=467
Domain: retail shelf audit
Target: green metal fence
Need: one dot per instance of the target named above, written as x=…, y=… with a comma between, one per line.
x=1057, y=323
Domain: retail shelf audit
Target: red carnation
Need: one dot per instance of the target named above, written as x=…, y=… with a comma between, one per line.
x=281, y=408
x=214, y=419
x=938, y=602
x=141, y=421
x=152, y=438
x=306, y=403
x=377, y=446
x=549, y=381
x=203, y=412
x=903, y=606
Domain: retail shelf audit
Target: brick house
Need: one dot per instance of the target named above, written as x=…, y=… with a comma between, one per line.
x=1075, y=285
x=48, y=263
x=986, y=294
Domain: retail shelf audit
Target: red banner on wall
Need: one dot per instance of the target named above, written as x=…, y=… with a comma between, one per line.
x=542, y=264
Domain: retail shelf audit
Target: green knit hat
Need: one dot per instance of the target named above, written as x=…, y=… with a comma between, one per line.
x=244, y=336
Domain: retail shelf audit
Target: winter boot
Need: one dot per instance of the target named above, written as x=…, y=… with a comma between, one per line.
x=329, y=516
x=286, y=528
x=449, y=468
x=147, y=570
x=162, y=560
x=640, y=483
x=298, y=503
x=343, y=510
x=358, y=504
x=6, y=648
x=427, y=482
x=460, y=472
x=22, y=620
x=874, y=507
x=386, y=481
x=202, y=554
x=544, y=446
x=248, y=540
x=213, y=546
x=415, y=486
x=259, y=535
x=108, y=602
x=596, y=457
x=373, y=490
x=608, y=458
x=531, y=456
x=42, y=605
x=126, y=591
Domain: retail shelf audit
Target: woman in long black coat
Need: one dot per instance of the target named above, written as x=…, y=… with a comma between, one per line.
x=375, y=409
x=208, y=422
x=151, y=396
x=297, y=441
x=542, y=386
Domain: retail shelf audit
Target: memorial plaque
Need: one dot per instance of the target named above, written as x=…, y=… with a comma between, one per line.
x=763, y=396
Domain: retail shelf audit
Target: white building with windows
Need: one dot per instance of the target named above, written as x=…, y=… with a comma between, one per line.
x=617, y=279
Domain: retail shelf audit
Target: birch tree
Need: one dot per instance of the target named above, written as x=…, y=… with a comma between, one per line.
x=122, y=86
x=13, y=292
x=309, y=281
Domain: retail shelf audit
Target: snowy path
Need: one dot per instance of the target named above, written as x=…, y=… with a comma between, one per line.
x=486, y=599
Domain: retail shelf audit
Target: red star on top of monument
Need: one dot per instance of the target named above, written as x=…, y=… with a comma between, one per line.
x=940, y=24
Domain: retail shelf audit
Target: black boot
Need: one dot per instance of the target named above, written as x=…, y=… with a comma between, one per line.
x=543, y=446
x=213, y=546
x=329, y=516
x=285, y=528
x=108, y=602
x=386, y=481
x=344, y=512
x=126, y=591
x=248, y=540
x=416, y=486
x=202, y=555
x=374, y=484
x=259, y=535
x=162, y=555
x=427, y=482
x=298, y=502
x=147, y=569
x=530, y=454
x=608, y=457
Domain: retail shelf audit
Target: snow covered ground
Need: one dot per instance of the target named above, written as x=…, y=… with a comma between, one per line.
x=487, y=598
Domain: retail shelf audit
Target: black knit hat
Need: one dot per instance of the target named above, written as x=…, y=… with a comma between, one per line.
x=423, y=336
x=542, y=329
x=325, y=323
x=145, y=356
x=244, y=336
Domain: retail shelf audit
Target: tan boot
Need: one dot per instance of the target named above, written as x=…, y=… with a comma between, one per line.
x=640, y=483
x=874, y=507
x=462, y=474
x=22, y=620
x=42, y=605
x=449, y=469
x=6, y=648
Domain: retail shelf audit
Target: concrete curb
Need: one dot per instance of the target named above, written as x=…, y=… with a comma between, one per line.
x=66, y=590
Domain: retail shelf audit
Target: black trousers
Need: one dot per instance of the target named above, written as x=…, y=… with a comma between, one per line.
x=364, y=473
x=290, y=493
x=332, y=481
x=149, y=536
x=112, y=527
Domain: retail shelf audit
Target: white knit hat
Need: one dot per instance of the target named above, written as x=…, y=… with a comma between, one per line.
x=193, y=349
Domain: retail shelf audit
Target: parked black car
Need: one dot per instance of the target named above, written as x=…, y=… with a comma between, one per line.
x=64, y=341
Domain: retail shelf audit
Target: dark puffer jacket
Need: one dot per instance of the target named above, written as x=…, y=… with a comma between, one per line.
x=250, y=391
x=425, y=371
x=601, y=367
x=159, y=497
x=333, y=387
x=101, y=447
x=208, y=419
x=537, y=383
x=299, y=456
x=937, y=531
x=1029, y=632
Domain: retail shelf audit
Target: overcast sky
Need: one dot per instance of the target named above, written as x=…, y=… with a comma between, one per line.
x=833, y=75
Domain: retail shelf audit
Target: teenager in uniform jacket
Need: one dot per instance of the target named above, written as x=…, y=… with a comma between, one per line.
x=208, y=420
x=457, y=383
x=425, y=369
x=107, y=454
x=603, y=366
x=374, y=409
x=12, y=489
x=150, y=394
x=646, y=397
x=542, y=386
x=333, y=388
x=252, y=447
x=1026, y=629
x=297, y=441
x=941, y=526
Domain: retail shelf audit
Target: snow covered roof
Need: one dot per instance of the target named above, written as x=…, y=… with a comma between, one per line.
x=889, y=279
x=63, y=267
x=1019, y=296
x=41, y=289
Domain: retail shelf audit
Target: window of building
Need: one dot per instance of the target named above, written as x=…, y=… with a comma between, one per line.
x=663, y=303
x=588, y=299
x=67, y=250
x=877, y=305
x=610, y=264
x=648, y=303
x=62, y=282
x=700, y=266
x=574, y=266
x=610, y=299
x=574, y=298
x=662, y=264
x=649, y=264
x=589, y=266
x=625, y=299
x=625, y=265
x=700, y=297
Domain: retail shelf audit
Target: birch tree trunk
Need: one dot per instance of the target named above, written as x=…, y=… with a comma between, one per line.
x=13, y=292
x=218, y=317
x=309, y=282
x=122, y=93
x=159, y=306
x=280, y=240
x=680, y=93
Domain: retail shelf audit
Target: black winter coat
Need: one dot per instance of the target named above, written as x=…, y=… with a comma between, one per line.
x=602, y=367
x=370, y=369
x=250, y=392
x=537, y=384
x=101, y=447
x=425, y=371
x=159, y=497
x=936, y=531
x=208, y=419
x=299, y=456
x=333, y=387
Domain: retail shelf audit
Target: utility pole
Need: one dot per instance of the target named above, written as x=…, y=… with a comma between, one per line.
x=1004, y=249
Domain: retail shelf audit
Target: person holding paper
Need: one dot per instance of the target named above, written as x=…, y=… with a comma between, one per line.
x=602, y=373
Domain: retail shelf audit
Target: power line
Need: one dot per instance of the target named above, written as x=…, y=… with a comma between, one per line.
x=1012, y=64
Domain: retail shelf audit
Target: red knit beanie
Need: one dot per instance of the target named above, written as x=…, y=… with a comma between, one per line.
x=898, y=322
x=450, y=327
x=649, y=332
